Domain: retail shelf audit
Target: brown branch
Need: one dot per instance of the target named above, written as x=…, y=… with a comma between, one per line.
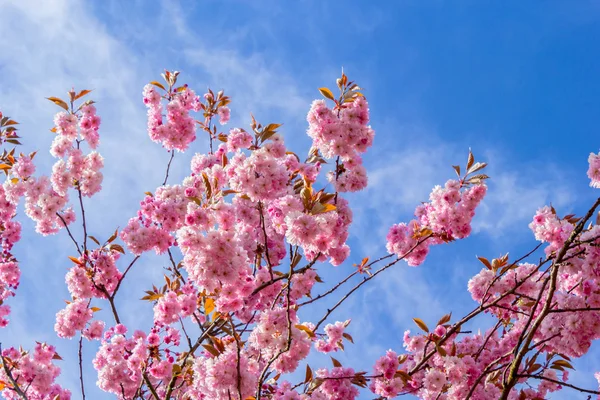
x=286, y=276
x=150, y=387
x=543, y=378
x=365, y=280
x=512, y=375
x=124, y=274
x=168, y=167
x=81, y=367
x=8, y=372
x=288, y=344
x=85, y=236
x=199, y=341
x=69, y=232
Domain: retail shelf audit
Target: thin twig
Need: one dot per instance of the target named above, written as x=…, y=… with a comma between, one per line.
x=81, y=366
x=69, y=232
x=543, y=378
x=168, y=167
x=8, y=372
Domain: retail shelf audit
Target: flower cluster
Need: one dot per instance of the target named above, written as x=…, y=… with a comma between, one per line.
x=36, y=372
x=179, y=129
x=335, y=336
x=159, y=215
x=119, y=362
x=343, y=134
x=446, y=217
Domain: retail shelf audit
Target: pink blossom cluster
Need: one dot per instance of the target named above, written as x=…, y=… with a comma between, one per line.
x=344, y=134
x=453, y=374
x=10, y=232
x=179, y=129
x=447, y=216
x=337, y=384
x=46, y=199
x=72, y=318
x=238, y=139
x=159, y=215
x=95, y=275
x=323, y=234
x=263, y=175
x=216, y=377
x=224, y=115
x=335, y=337
x=120, y=361
x=35, y=373
x=594, y=170
x=387, y=385
x=547, y=227
x=174, y=305
x=272, y=335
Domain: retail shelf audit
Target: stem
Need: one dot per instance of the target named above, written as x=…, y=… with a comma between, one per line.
x=16, y=387
x=123, y=276
x=83, y=220
x=81, y=367
x=150, y=387
x=543, y=378
x=288, y=344
x=365, y=280
x=168, y=167
x=513, y=372
x=69, y=232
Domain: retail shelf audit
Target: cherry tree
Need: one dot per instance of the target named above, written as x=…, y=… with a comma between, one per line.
x=245, y=235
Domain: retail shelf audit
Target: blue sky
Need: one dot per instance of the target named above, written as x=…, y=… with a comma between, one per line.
x=515, y=81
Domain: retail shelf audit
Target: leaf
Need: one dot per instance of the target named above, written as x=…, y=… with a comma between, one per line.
x=95, y=309
x=94, y=239
x=5, y=166
x=10, y=122
x=56, y=357
x=59, y=102
x=82, y=93
x=309, y=374
x=176, y=371
x=441, y=350
x=421, y=324
x=335, y=362
x=326, y=93
x=152, y=296
x=445, y=319
x=211, y=350
x=470, y=161
x=403, y=375
x=485, y=262
x=160, y=85
x=476, y=167
x=306, y=329
x=207, y=184
x=563, y=363
x=325, y=208
x=113, y=237
x=209, y=305
x=272, y=127
x=75, y=260
x=457, y=169
x=117, y=247
x=296, y=259
x=348, y=337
